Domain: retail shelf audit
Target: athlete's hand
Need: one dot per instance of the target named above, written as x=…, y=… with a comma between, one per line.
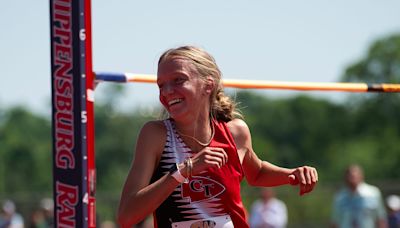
x=306, y=177
x=209, y=157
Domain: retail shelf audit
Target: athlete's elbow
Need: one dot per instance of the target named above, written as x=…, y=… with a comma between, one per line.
x=124, y=220
x=253, y=182
x=253, y=179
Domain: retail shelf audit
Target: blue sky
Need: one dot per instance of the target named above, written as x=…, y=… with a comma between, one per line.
x=255, y=39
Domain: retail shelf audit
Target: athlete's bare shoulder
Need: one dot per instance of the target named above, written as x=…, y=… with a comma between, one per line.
x=238, y=128
x=153, y=135
x=154, y=126
x=241, y=135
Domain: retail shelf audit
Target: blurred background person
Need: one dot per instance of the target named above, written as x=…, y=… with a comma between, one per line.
x=358, y=204
x=393, y=204
x=37, y=220
x=268, y=211
x=9, y=217
x=47, y=206
x=43, y=216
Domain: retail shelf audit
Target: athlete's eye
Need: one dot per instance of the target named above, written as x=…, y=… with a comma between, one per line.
x=179, y=80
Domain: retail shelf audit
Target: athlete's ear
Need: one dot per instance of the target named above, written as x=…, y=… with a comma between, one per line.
x=209, y=87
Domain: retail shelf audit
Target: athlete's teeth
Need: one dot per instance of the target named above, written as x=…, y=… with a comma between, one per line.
x=174, y=101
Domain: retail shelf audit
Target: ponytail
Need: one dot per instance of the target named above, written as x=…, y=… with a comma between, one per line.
x=223, y=107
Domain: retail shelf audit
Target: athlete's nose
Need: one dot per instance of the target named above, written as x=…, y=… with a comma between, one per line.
x=167, y=89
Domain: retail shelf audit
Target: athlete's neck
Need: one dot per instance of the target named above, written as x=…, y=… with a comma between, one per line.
x=200, y=131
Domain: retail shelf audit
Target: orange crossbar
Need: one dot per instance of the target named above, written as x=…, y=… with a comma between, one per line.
x=261, y=84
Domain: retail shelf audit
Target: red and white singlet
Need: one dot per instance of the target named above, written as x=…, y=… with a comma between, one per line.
x=209, y=199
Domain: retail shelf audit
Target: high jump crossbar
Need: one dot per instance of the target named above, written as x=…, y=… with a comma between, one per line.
x=263, y=84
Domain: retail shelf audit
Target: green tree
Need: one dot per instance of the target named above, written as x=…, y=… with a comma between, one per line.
x=25, y=152
x=375, y=123
x=380, y=65
x=115, y=139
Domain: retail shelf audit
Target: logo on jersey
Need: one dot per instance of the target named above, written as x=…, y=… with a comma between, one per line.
x=201, y=188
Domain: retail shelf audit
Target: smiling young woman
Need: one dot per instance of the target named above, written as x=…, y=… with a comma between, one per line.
x=188, y=167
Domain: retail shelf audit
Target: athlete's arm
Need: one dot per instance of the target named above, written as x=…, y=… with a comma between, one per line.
x=138, y=198
x=263, y=173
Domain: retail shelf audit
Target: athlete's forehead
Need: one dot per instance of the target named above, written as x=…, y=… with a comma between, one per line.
x=175, y=66
x=175, y=63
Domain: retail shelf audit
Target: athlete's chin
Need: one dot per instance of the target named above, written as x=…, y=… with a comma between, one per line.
x=176, y=114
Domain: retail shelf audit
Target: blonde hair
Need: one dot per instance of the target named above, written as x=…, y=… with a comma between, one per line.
x=221, y=106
